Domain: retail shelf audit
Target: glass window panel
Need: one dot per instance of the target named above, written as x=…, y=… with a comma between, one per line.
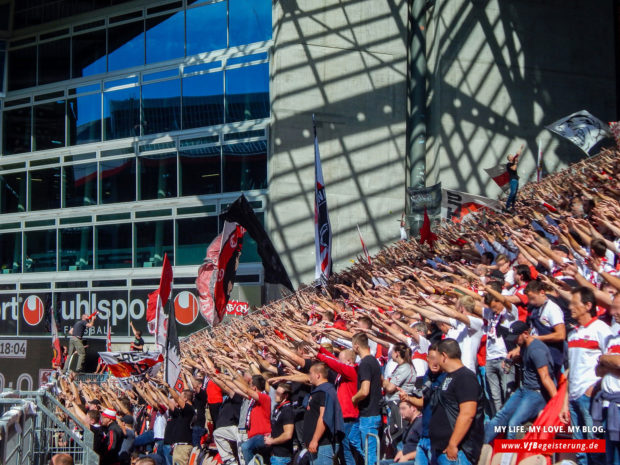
x=245, y=166
x=44, y=189
x=89, y=54
x=211, y=18
x=80, y=185
x=158, y=176
x=161, y=107
x=22, y=68
x=84, y=119
x=250, y=21
x=2, y=61
x=249, y=253
x=247, y=93
x=76, y=248
x=40, y=250
x=16, y=136
x=126, y=46
x=49, y=125
x=114, y=246
x=153, y=240
x=165, y=37
x=11, y=252
x=118, y=180
x=121, y=113
x=54, y=61
x=200, y=171
x=13, y=193
x=193, y=237
x=203, y=100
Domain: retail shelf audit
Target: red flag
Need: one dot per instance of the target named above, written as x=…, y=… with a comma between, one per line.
x=216, y=275
x=156, y=319
x=426, y=235
x=56, y=361
x=108, y=342
x=364, y=248
x=499, y=175
x=549, y=418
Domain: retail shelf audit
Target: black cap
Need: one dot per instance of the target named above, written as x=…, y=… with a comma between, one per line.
x=127, y=419
x=518, y=327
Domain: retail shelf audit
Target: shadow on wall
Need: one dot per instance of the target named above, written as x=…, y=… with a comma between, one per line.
x=499, y=71
x=347, y=64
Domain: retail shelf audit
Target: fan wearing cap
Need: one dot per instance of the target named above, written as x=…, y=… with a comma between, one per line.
x=113, y=437
x=537, y=388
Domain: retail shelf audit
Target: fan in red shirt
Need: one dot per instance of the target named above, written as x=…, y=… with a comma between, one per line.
x=258, y=421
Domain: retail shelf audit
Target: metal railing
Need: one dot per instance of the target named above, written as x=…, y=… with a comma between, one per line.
x=377, y=445
x=34, y=426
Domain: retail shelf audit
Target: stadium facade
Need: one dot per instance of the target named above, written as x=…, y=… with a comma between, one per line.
x=128, y=126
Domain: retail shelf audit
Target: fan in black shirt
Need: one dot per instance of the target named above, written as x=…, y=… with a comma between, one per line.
x=456, y=425
x=282, y=425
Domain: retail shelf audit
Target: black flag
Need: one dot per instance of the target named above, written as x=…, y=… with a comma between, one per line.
x=241, y=212
x=172, y=362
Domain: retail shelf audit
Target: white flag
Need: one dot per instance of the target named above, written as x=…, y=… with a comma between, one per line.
x=460, y=206
x=582, y=129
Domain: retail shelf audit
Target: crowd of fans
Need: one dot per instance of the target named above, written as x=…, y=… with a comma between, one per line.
x=420, y=357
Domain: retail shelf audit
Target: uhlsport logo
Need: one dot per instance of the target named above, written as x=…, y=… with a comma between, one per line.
x=33, y=310
x=186, y=308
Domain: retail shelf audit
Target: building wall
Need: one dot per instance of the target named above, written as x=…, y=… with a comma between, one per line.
x=499, y=71
x=346, y=62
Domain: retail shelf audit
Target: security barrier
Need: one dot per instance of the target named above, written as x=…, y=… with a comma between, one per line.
x=34, y=426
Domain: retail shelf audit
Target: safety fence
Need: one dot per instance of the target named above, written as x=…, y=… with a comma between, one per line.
x=34, y=426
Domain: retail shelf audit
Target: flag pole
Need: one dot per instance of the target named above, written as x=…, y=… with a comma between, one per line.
x=170, y=315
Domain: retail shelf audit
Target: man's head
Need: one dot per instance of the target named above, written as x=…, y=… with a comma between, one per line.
x=519, y=331
x=502, y=262
x=258, y=383
x=466, y=303
x=301, y=348
x=487, y=258
x=94, y=404
x=283, y=392
x=360, y=343
x=408, y=411
x=582, y=303
x=85, y=317
x=449, y=352
x=138, y=333
x=347, y=357
x=432, y=358
x=126, y=422
x=598, y=248
x=365, y=322
x=108, y=416
x=94, y=417
x=197, y=384
x=145, y=461
x=523, y=274
x=318, y=374
x=536, y=294
x=576, y=207
x=188, y=395
x=61, y=459
x=493, y=303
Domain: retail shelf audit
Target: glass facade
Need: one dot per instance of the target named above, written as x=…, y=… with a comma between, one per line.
x=129, y=134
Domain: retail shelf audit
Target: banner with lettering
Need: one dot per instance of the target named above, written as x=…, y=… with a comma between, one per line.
x=426, y=197
x=236, y=308
x=461, y=207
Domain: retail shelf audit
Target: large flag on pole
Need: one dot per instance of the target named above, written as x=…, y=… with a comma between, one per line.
x=364, y=248
x=461, y=207
x=131, y=367
x=217, y=274
x=499, y=174
x=241, y=212
x=172, y=373
x=156, y=318
x=56, y=361
x=582, y=129
x=322, y=228
x=108, y=340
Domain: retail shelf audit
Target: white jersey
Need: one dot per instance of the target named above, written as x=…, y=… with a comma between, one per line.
x=496, y=348
x=550, y=316
x=611, y=382
x=419, y=351
x=585, y=346
x=468, y=338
